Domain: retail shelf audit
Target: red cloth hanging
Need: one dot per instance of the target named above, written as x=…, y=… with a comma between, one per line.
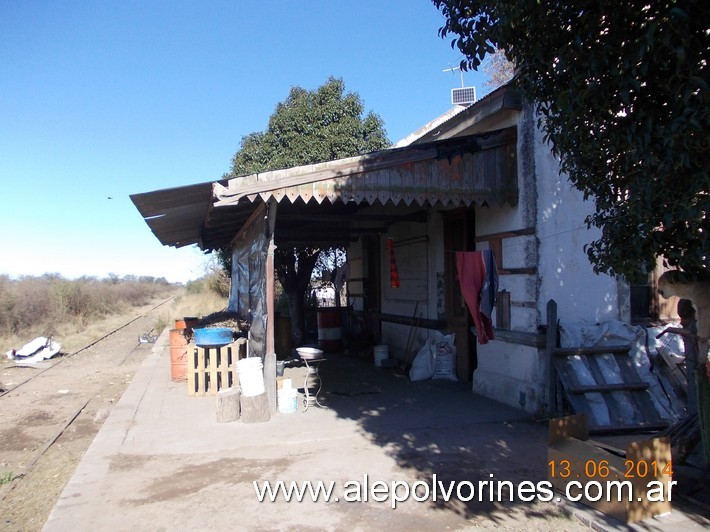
x=394, y=274
x=472, y=272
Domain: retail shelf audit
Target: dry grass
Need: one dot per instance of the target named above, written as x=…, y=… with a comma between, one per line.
x=190, y=303
x=79, y=312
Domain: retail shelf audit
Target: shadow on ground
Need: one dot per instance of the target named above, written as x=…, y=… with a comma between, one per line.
x=443, y=434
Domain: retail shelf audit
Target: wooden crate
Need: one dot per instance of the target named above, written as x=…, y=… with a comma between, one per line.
x=210, y=369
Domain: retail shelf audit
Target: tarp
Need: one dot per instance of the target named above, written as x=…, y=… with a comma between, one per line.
x=39, y=349
x=247, y=296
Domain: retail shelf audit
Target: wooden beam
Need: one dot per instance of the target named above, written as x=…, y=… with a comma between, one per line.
x=620, y=387
x=601, y=350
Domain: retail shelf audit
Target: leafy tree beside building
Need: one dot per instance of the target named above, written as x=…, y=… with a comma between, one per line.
x=308, y=127
x=623, y=92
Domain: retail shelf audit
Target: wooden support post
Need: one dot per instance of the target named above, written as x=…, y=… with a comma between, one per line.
x=254, y=409
x=550, y=344
x=270, y=380
x=228, y=405
x=270, y=355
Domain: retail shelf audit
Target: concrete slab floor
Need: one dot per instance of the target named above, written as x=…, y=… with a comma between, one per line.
x=162, y=462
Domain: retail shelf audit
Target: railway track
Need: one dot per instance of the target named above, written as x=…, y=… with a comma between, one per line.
x=49, y=419
x=88, y=346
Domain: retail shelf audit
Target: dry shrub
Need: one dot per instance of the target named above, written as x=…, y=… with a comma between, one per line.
x=33, y=306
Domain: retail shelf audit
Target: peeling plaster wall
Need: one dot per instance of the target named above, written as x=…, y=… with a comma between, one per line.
x=512, y=373
x=517, y=374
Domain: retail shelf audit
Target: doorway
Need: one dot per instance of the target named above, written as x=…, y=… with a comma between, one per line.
x=459, y=235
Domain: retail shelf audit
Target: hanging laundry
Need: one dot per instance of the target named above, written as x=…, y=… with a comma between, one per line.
x=478, y=277
x=394, y=274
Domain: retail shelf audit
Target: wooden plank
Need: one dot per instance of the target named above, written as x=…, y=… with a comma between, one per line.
x=609, y=388
x=212, y=382
x=224, y=356
x=569, y=379
x=586, y=351
x=615, y=412
x=642, y=399
x=625, y=427
x=200, y=368
x=191, y=365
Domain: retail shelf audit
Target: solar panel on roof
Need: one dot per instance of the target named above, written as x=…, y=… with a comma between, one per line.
x=463, y=96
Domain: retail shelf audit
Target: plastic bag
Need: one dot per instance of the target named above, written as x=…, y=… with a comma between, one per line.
x=445, y=358
x=423, y=364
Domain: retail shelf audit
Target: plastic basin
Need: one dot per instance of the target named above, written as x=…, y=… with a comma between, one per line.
x=213, y=336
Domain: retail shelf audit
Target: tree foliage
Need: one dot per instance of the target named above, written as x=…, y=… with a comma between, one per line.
x=622, y=91
x=498, y=69
x=311, y=127
x=308, y=127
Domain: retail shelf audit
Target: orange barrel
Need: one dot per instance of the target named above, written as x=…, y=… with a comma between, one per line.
x=180, y=324
x=178, y=355
x=330, y=332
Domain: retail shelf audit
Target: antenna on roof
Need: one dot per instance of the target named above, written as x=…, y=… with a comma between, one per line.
x=464, y=95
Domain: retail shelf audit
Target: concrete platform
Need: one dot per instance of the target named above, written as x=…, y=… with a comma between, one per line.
x=161, y=461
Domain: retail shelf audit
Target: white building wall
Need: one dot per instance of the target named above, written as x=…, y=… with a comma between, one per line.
x=566, y=275
x=508, y=372
x=518, y=374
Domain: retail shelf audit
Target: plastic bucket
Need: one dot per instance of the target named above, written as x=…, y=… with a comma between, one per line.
x=382, y=353
x=178, y=355
x=251, y=376
x=287, y=399
x=330, y=334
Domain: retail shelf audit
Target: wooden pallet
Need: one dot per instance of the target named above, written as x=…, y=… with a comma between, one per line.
x=631, y=390
x=210, y=369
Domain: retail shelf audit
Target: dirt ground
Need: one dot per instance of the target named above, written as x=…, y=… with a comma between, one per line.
x=47, y=423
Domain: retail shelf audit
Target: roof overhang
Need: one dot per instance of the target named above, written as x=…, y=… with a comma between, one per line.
x=477, y=169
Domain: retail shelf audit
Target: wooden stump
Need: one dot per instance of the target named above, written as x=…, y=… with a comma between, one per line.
x=255, y=409
x=228, y=405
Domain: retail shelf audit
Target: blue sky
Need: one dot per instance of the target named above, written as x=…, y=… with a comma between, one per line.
x=104, y=99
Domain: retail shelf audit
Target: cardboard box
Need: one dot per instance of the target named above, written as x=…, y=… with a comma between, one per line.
x=623, y=477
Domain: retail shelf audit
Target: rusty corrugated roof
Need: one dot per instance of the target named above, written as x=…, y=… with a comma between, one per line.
x=455, y=172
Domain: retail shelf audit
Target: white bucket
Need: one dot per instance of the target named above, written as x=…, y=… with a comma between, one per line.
x=382, y=352
x=287, y=399
x=251, y=376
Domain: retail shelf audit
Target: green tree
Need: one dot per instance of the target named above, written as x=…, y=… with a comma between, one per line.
x=311, y=127
x=308, y=127
x=622, y=89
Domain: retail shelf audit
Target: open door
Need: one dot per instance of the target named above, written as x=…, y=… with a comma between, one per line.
x=459, y=235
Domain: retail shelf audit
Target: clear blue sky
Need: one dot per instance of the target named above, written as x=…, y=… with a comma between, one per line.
x=102, y=99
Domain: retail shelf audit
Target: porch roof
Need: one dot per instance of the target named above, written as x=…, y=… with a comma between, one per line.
x=476, y=169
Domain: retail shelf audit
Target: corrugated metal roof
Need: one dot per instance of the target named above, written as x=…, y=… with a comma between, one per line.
x=461, y=171
x=175, y=215
x=455, y=172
